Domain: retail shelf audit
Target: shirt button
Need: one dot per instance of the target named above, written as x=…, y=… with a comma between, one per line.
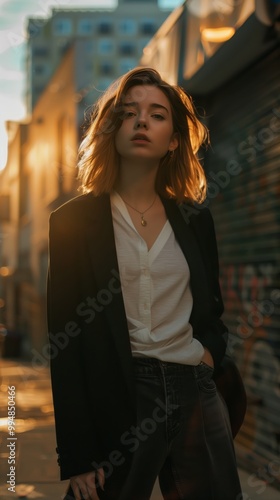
x=146, y=306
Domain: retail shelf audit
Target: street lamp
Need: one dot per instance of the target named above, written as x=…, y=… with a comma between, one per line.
x=5, y=271
x=210, y=23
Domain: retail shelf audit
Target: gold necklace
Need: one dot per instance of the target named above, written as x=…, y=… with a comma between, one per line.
x=143, y=221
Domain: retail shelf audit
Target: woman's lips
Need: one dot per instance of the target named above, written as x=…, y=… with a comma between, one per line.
x=140, y=137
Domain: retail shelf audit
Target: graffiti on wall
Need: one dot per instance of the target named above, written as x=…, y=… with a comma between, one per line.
x=253, y=304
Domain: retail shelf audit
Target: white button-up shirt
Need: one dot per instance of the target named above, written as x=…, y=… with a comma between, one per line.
x=156, y=291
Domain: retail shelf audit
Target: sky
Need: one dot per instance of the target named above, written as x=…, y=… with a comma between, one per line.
x=13, y=15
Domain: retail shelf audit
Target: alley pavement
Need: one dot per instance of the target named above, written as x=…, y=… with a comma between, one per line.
x=36, y=473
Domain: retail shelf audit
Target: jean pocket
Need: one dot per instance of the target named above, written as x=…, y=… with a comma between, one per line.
x=205, y=365
x=204, y=375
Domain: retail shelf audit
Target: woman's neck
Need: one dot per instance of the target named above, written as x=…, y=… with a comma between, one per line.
x=136, y=183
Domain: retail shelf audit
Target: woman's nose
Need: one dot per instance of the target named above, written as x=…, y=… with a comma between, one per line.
x=141, y=122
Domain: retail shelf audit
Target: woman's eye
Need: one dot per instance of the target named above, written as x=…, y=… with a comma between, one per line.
x=158, y=117
x=129, y=114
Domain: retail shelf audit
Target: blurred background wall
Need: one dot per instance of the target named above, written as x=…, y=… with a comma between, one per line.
x=226, y=54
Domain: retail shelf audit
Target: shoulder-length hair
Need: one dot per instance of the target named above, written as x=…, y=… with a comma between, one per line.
x=179, y=176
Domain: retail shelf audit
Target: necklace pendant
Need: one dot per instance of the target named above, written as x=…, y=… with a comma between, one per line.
x=143, y=221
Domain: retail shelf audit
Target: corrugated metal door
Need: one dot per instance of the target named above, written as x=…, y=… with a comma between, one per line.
x=244, y=186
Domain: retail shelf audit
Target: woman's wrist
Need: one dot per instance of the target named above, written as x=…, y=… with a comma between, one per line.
x=207, y=358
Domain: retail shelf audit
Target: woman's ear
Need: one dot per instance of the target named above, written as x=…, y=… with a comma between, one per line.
x=174, y=142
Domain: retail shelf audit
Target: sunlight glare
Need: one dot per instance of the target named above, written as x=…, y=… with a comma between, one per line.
x=3, y=146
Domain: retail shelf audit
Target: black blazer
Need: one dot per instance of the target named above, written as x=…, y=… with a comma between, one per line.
x=90, y=355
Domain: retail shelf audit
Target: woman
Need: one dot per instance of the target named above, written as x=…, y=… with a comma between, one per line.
x=135, y=306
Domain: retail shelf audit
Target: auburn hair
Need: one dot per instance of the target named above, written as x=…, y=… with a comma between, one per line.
x=179, y=176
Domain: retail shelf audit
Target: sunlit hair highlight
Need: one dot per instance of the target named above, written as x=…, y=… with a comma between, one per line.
x=180, y=176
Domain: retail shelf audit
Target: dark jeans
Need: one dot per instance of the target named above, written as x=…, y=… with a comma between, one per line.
x=183, y=437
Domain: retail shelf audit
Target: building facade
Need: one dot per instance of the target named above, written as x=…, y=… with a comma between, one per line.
x=235, y=83
x=113, y=44
x=39, y=176
x=9, y=219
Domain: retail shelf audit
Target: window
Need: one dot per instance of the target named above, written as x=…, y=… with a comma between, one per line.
x=105, y=46
x=35, y=26
x=106, y=68
x=40, y=70
x=85, y=26
x=62, y=26
x=128, y=27
x=127, y=48
x=105, y=27
x=148, y=27
x=40, y=52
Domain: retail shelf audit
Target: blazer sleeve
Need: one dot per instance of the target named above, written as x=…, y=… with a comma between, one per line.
x=212, y=334
x=76, y=436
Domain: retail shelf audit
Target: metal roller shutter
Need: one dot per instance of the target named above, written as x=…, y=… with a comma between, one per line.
x=243, y=169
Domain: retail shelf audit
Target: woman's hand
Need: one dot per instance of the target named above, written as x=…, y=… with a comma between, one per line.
x=207, y=358
x=84, y=486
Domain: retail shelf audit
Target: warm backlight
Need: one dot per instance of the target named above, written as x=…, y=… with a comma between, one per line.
x=217, y=35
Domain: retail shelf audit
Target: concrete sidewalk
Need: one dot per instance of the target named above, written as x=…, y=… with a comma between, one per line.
x=37, y=472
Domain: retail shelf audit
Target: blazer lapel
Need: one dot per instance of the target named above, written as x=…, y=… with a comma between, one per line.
x=106, y=271
x=188, y=242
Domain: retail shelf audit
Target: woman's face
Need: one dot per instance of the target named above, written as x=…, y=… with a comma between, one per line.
x=147, y=128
